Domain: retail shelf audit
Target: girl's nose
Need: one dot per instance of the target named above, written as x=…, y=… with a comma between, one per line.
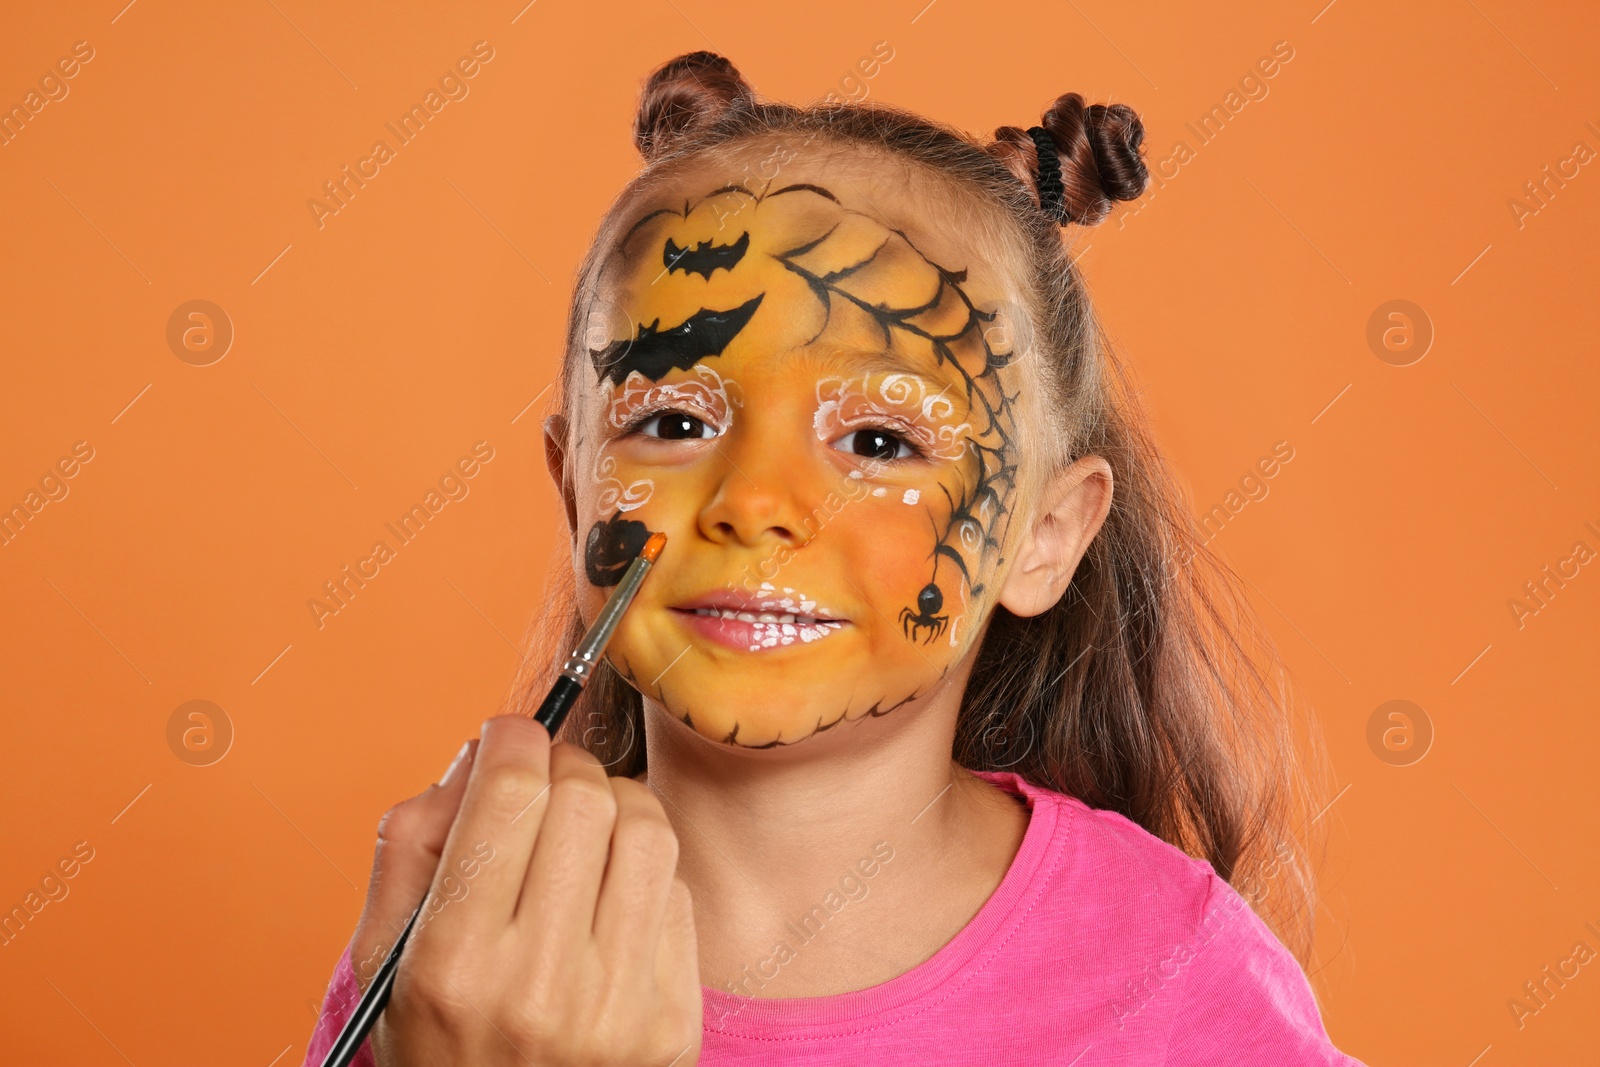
x=754, y=507
x=763, y=492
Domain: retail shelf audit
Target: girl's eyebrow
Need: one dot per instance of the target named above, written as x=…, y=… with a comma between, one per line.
x=830, y=359
x=880, y=361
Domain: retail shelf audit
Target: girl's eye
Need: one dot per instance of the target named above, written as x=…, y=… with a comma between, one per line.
x=675, y=426
x=875, y=444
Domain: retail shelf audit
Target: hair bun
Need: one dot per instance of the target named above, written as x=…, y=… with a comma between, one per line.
x=1098, y=146
x=683, y=95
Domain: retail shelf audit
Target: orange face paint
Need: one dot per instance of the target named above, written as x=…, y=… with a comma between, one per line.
x=820, y=416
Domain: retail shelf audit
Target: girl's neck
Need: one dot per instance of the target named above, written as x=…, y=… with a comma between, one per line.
x=868, y=829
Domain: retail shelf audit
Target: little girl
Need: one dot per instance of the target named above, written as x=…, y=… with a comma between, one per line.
x=928, y=740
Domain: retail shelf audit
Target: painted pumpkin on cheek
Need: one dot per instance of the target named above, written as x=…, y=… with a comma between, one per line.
x=821, y=418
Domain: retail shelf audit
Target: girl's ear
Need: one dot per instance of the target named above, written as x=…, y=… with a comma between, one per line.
x=1072, y=506
x=555, y=459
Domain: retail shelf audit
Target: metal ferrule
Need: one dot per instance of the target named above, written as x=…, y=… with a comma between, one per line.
x=580, y=666
x=579, y=669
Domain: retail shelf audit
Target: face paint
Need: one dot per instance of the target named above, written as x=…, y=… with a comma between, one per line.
x=907, y=402
x=654, y=352
x=611, y=546
x=705, y=257
x=827, y=415
x=613, y=494
x=702, y=392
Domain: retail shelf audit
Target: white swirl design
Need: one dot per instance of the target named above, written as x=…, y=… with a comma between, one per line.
x=846, y=403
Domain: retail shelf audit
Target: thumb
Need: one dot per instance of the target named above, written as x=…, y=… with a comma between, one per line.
x=411, y=837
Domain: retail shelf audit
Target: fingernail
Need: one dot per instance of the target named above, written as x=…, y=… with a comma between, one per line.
x=456, y=764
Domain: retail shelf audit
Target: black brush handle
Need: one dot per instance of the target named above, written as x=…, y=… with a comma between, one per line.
x=555, y=707
x=550, y=715
x=371, y=1005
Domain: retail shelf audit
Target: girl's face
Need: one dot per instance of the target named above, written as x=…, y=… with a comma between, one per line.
x=815, y=401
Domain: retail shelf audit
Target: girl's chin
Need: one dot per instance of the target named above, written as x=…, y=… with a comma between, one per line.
x=747, y=725
x=748, y=705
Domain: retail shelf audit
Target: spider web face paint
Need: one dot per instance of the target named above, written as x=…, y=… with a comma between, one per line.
x=827, y=326
x=841, y=271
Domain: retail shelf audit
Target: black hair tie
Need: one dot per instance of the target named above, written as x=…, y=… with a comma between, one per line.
x=1052, y=194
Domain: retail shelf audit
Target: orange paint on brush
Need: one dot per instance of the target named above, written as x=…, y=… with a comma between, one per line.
x=653, y=546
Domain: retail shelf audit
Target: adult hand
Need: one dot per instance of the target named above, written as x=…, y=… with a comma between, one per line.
x=555, y=930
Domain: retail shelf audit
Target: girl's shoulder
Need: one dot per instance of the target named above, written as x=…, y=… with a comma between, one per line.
x=1180, y=956
x=1109, y=853
x=1099, y=870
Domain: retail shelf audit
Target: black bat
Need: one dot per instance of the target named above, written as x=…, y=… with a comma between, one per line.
x=654, y=352
x=704, y=257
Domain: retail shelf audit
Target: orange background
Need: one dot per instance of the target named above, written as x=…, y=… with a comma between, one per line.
x=427, y=315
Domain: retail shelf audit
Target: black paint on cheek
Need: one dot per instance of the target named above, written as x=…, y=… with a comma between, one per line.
x=611, y=546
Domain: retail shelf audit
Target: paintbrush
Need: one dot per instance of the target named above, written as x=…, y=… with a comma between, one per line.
x=575, y=673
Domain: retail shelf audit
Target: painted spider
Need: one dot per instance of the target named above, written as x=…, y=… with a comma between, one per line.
x=927, y=616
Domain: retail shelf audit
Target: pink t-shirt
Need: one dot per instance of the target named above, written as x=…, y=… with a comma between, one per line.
x=1102, y=945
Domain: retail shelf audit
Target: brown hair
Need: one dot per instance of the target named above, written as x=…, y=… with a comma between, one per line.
x=1149, y=689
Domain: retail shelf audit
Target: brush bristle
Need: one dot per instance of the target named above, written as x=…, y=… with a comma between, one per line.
x=652, y=547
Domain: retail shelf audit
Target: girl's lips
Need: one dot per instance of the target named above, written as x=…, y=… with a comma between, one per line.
x=753, y=631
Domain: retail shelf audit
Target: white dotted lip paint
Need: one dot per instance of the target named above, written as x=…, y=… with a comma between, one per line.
x=768, y=621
